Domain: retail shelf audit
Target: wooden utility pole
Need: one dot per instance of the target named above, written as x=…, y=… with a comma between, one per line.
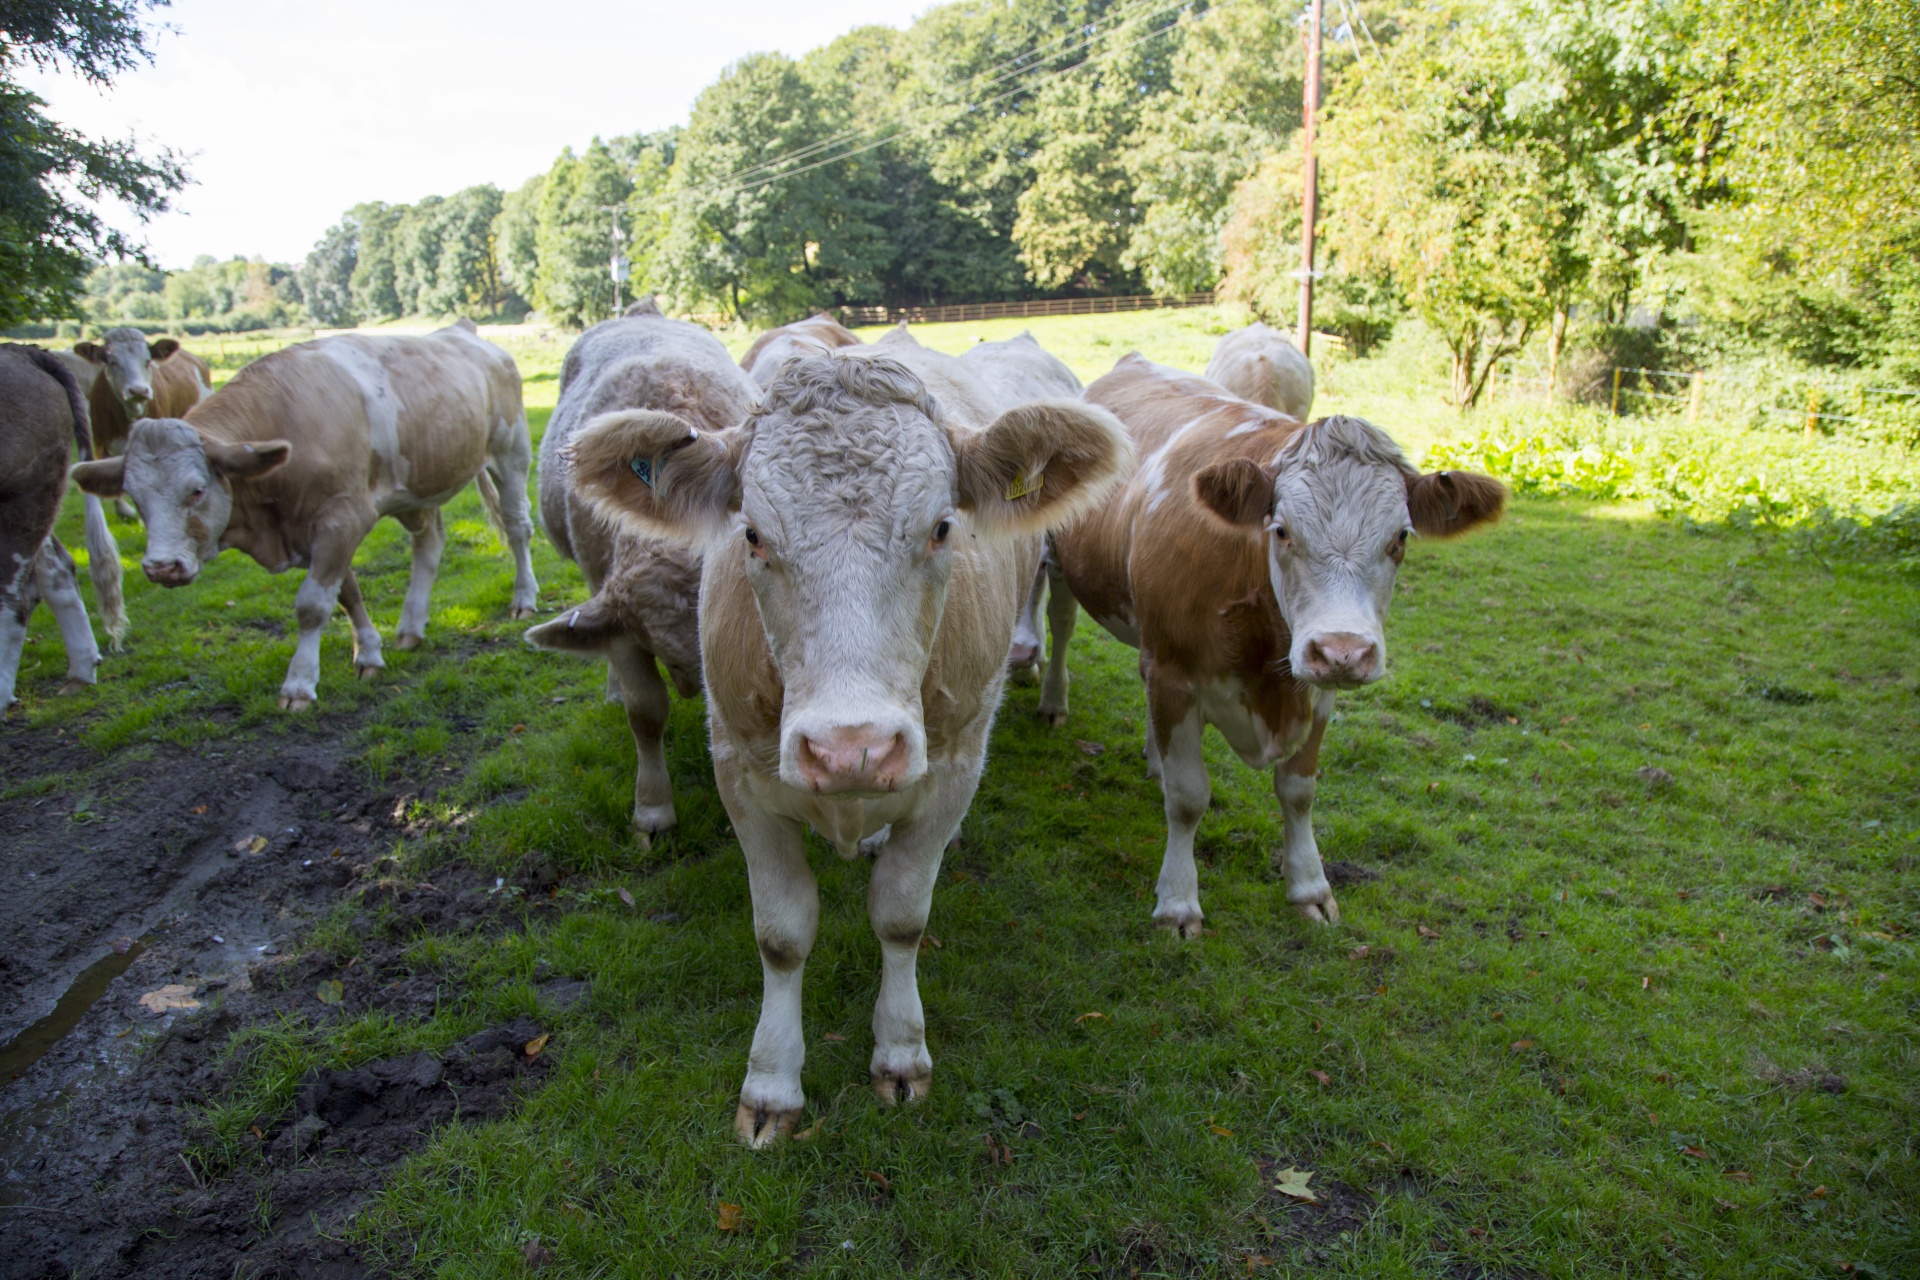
x=1310, y=211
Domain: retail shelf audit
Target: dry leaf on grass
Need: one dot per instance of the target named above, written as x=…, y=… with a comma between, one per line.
x=250, y=844
x=1221, y=1130
x=1737, y=1175
x=729, y=1216
x=1293, y=1182
x=1425, y=932
x=625, y=896
x=1095, y=1013
x=169, y=998
x=809, y=1133
x=535, y=1045
x=1091, y=748
x=1519, y=1045
x=1696, y=1152
x=835, y=1036
x=330, y=992
x=878, y=1179
x=1321, y=1076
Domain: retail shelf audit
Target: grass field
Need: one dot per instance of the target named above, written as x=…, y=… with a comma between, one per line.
x=1626, y=983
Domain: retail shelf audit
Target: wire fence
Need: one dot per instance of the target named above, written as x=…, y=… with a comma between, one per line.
x=964, y=311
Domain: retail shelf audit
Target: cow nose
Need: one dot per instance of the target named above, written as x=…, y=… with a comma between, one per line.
x=167, y=573
x=139, y=392
x=1340, y=657
x=854, y=758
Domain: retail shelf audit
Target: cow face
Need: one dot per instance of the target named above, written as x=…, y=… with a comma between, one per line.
x=126, y=360
x=182, y=484
x=1338, y=505
x=844, y=501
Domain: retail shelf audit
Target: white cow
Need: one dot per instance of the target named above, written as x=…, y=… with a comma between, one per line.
x=1262, y=365
x=869, y=535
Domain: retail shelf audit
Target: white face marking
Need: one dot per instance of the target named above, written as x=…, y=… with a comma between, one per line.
x=184, y=506
x=129, y=370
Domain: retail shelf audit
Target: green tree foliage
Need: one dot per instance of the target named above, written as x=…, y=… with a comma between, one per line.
x=374, y=283
x=237, y=294
x=326, y=278
x=467, y=276
x=581, y=204
x=516, y=231
x=51, y=177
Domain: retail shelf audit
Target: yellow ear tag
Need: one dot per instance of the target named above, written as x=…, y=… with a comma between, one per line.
x=1021, y=488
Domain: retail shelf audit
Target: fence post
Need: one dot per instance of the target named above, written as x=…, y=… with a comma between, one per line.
x=1614, y=407
x=1813, y=412
x=1693, y=397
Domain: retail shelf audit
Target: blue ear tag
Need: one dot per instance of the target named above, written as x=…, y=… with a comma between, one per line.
x=643, y=467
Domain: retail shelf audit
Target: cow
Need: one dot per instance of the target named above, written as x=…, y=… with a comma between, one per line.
x=869, y=533
x=817, y=334
x=43, y=410
x=138, y=379
x=644, y=589
x=1262, y=365
x=1020, y=370
x=1250, y=559
x=295, y=460
x=85, y=372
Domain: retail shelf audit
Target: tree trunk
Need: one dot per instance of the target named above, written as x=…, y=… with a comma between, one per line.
x=1555, y=337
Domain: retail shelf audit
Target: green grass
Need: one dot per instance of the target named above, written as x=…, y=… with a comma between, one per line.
x=1615, y=972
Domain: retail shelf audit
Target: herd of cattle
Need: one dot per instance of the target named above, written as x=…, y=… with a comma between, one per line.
x=844, y=546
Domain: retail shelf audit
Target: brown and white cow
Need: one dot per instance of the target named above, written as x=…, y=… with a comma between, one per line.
x=643, y=612
x=1262, y=365
x=139, y=379
x=42, y=416
x=869, y=534
x=1019, y=370
x=295, y=460
x=1251, y=560
x=816, y=335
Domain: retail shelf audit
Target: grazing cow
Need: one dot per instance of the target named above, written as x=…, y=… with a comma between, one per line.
x=138, y=379
x=295, y=460
x=644, y=589
x=869, y=533
x=1262, y=365
x=41, y=411
x=816, y=335
x=1251, y=560
x=1021, y=371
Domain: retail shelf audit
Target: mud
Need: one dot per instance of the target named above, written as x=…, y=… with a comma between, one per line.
x=184, y=877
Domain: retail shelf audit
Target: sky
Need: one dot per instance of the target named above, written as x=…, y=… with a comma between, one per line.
x=290, y=111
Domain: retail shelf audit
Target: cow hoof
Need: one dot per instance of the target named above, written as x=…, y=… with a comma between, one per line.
x=405, y=641
x=523, y=613
x=1185, y=927
x=759, y=1128
x=874, y=844
x=652, y=820
x=894, y=1087
x=368, y=672
x=295, y=703
x=1024, y=676
x=74, y=685
x=1051, y=718
x=1326, y=912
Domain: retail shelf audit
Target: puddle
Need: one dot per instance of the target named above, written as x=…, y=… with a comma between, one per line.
x=32, y=1044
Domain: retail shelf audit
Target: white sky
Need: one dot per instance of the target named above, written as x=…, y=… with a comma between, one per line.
x=289, y=111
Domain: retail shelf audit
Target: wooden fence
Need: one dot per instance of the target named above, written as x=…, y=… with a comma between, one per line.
x=963, y=311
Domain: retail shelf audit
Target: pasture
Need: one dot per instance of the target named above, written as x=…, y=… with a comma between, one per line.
x=1625, y=982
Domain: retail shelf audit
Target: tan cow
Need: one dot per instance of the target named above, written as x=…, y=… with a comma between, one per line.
x=295, y=460
x=642, y=614
x=869, y=534
x=1262, y=365
x=1251, y=560
x=816, y=335
x=139, y=379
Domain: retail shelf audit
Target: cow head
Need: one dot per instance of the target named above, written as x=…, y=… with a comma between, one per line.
x=126, y=359
x=182, y=484
x=1338, y=504
x=844, y=498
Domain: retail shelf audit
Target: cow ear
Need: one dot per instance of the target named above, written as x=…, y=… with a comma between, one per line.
x=588, y=629
x=1040, y=466
x=105, y=478
x=246, y=461
x=90, y=352
x=1239, y=492
x=162, y=349
x=1444, y=503
x=654, y=472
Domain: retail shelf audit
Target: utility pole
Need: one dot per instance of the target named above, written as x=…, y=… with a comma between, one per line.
x=617, y=264
x=1310, y=212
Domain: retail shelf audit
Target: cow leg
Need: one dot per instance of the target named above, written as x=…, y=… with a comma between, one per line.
x=644, y=694
x=899, y=896
x=1293, y=783
x=429, y=541
x=1063, y=612
x=1024, y=659
x=786, y=916
x=509, y=466
x=367, y=662
x=1177, y=727
x=313, y=605
x=59, y=582
x=18, y=597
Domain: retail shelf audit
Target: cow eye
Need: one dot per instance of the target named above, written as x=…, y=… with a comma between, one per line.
x=1280, y=532
x=753, y=536
x=941, y=530
x=195, y=496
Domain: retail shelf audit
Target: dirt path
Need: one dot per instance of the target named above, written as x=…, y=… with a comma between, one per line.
x=150, y=903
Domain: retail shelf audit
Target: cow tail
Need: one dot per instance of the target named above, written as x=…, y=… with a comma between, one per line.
x=490, y=495
x=103, y=553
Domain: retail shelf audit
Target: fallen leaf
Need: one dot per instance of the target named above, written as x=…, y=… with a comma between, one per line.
x=254, y=1129
x=1499, y=1015
x=1091, y=748
x=1663, y=1077
x=1221, y=1130
x=1818, y=1193
x=330, y=992
x=1653, y=776
x=1432, y=787
x=1079, y=1115
x=535, y=1045
x=834, y=1036
x=249, y=844
x=520, y=728
x=199, y=809
x=1093, y=1014
x=729, y=1217
x=1817, y=901
x=1513, y=719
x=1725, y=1206
x=1321, y=1076
x=1518, y=1045
x=626, y=896
x=169, y=998
x=1478, y=1233
x=1695, y=1152
x=535, y=1255
x=929, y=943
x=1359, y=952
x=1737, y=1175
x=1646, y=984
x=1255, y=1261
x=121, y=946
x=809, y=1133
x=878, y=1179
x=1425, y=932
x=1293, y=1182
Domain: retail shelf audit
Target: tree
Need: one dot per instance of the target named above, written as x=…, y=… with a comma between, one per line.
x=416, y=255
x=516, y=230
x=51, y=177
x=467, y=276
x=374, y=281
x=326, y=278
x=573, y=241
